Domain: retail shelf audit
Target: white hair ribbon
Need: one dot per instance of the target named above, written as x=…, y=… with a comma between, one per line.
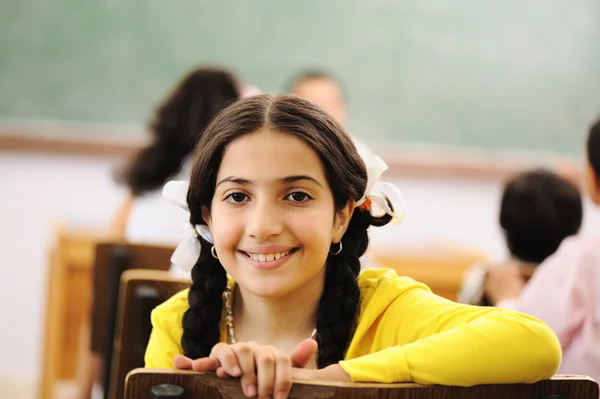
x=188, y=251
x=374, y=199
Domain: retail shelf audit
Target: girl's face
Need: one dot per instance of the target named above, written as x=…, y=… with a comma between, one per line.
x=272, y=215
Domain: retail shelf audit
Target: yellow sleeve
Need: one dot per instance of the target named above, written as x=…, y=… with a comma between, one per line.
x=165, y=339
x=427, y=339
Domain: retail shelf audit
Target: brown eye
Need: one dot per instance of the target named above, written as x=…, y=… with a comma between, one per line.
x=236, y=198
x=298, y=196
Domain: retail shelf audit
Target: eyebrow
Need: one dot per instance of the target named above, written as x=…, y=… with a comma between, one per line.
x=285, y=180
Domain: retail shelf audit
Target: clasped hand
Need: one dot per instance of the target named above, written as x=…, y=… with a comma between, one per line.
x=264, y=370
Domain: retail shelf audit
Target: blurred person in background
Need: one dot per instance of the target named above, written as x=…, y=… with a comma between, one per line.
x=563, y=292
x=321, y=89
x=538, y=210
x=176, y=127
x=324, y=90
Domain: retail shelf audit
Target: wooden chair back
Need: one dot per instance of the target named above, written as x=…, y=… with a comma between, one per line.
x=111, y=260
x=174, y=384
x=141, y=291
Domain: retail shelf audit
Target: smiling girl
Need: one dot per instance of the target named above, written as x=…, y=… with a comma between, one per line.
x=280, y=202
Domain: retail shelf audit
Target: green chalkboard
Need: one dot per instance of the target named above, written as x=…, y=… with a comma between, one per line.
x=521, y=74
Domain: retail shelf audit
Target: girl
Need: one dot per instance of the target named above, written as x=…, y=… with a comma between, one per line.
x=280, y=201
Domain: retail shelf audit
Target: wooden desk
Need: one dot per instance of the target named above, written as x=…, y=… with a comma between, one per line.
x=440, y=267
x=208, y=386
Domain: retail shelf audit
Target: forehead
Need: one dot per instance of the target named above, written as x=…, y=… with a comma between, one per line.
x=270, y=155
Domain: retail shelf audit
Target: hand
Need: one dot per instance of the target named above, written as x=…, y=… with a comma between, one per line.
x=263, y=369
x=504, y=282
x=335, y=372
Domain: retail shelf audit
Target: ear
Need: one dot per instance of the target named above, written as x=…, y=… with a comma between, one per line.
x=592, y=182
x=342, y=220
x=206, y=216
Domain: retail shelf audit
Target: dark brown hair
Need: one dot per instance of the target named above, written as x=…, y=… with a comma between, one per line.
x=593, y=148
x=347, y=178
x=539, y=209
x=177, y=125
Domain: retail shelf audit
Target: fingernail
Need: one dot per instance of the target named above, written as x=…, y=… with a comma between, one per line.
x=251, y=391
x=281, y=395
x=236, y=371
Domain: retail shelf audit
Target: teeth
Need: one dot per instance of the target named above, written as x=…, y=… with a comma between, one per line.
x=268, y=257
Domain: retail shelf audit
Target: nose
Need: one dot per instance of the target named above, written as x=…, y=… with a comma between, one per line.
x=264, y=220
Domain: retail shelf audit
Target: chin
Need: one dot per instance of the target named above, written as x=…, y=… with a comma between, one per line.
x=267, y=287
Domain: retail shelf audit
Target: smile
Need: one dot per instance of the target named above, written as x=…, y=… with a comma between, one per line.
x=268, y=260
x=269, y=257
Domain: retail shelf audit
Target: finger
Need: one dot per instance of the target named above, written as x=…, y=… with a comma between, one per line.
x=226, y=357
x=283, y=374
x=221, y=373
x=265, y=371
x=182, y=362
x=205, y=364
x=245, y=357
x=304, y=352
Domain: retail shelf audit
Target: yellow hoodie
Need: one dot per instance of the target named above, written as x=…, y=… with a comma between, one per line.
x=406, y=333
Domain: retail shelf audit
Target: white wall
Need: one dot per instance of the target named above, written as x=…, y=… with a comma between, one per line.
x=36, y=190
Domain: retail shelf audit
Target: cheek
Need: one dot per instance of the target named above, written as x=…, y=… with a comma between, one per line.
x=313, y=229
x=226, y=231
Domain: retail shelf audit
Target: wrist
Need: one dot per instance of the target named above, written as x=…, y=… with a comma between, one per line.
x=335, y=372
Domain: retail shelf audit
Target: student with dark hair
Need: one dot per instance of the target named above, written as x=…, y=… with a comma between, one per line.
x=280, y=204
x=564, y=289
x=538, y=210
x=321, y=89
x=175, y=129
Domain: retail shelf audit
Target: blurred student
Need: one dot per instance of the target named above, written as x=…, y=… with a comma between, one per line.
x=539, y=209
x=564, y=289
x=176, y=127
x=321, y=89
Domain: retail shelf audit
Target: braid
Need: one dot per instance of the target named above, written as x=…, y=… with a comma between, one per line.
x=201, y=322
x=341, y=294
x=337, y=308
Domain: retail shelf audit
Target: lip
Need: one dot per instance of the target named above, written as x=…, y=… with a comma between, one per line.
x=274, y=264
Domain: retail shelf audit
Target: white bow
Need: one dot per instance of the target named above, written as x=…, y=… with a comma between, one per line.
x=188, y=251
x=374, y=192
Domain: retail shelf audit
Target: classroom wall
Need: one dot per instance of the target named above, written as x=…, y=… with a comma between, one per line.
x=38, y=190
